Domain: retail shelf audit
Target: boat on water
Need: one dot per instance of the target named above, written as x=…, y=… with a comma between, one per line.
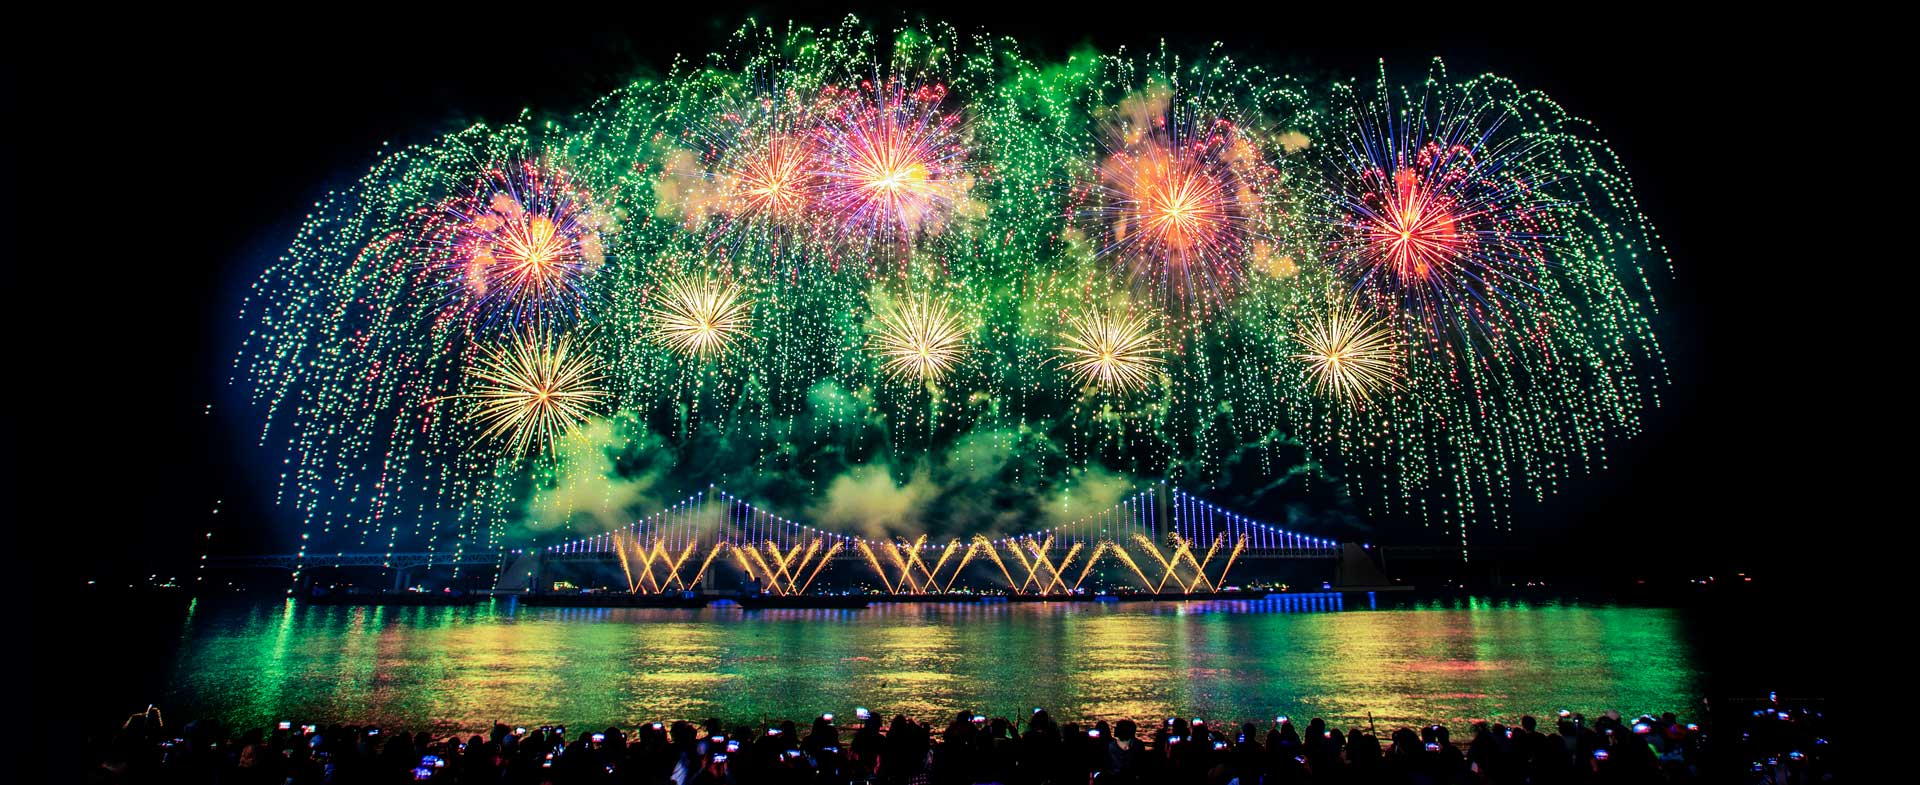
x=770, y=601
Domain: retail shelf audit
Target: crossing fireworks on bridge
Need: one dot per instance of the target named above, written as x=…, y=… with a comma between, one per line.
x=1089, y=275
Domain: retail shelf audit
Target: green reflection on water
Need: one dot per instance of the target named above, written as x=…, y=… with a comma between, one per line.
x=464, y=668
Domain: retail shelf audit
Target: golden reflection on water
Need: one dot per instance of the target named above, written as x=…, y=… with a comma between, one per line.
x=464, y=668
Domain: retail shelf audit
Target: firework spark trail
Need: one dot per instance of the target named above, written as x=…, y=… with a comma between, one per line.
x=874, y=562
x=993, y=554
x=1098, y=550
x=832, y=551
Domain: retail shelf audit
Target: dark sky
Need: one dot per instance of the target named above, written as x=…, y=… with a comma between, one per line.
x=175, y=161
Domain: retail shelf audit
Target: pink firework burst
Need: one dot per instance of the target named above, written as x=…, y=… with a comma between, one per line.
x=520, y=244
x=891, y=162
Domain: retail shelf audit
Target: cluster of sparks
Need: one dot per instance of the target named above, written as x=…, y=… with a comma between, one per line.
x=1290, y=253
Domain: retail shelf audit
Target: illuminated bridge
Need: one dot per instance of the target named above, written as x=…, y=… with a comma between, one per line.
x=1158, y=540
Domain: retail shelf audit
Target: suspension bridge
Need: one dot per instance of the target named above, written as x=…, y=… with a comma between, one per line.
x=1158, y=541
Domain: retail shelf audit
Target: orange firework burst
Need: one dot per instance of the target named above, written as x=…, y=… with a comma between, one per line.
x=776, y=181
x=1177, y=208
x=1177, y=204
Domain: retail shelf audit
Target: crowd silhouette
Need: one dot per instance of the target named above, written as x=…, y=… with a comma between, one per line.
x=1773, y=744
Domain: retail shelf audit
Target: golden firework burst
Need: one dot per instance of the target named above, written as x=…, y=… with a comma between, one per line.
x=1350, y=353
x=1115, y=352
x=533, y=390
x=700, y=317
x=921, y=340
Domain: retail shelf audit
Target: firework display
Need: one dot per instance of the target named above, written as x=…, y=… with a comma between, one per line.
x=925, y=267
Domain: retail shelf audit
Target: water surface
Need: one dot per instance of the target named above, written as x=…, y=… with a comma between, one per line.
x=463, y=668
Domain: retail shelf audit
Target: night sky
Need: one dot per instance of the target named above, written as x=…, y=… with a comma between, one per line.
x=180, y=160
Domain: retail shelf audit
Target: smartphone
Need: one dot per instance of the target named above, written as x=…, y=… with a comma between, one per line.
x=1280, y=719
x=598, y=738
x=1599, y=754
x=773, y=731
x=658, y=726
x=1219, y=745
x=979, y=718
x=733, y=746
x=1094, y=734
x=285, y=725
x=827, y=716
x=861, y=713
x=1433, y=746
x=719, y=757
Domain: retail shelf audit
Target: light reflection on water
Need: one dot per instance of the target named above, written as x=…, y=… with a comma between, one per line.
x=464, y=668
